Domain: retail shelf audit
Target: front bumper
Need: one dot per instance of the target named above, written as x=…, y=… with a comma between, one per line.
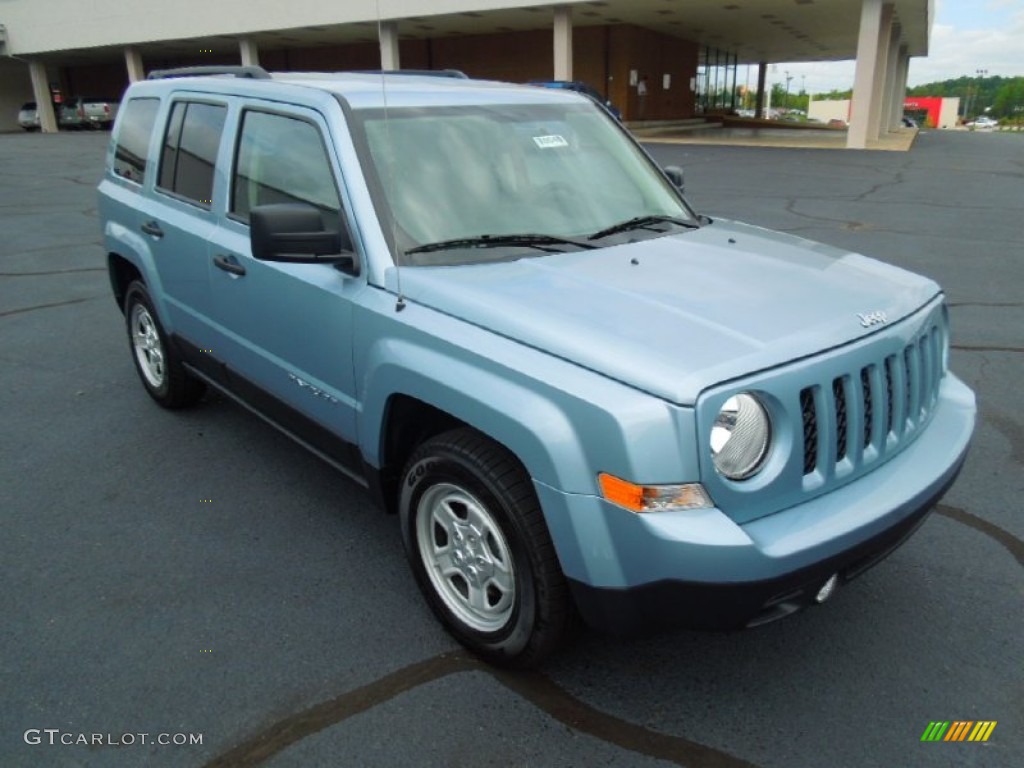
x=630, y=573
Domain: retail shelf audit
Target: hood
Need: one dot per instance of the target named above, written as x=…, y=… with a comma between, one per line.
x=676, y=314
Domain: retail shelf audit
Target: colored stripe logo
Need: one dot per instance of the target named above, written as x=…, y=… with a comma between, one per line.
x=959, y=730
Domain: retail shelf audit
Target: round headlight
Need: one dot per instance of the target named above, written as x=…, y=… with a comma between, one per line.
x=740, y=437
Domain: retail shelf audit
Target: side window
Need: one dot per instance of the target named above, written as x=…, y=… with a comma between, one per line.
x=190, y=150
x=133, y=138
x=281, y=160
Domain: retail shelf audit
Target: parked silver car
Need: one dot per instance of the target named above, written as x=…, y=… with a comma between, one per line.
x=28, y=116
x=984, y=121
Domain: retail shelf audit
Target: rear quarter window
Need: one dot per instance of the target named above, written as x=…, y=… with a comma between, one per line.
x=133, y=138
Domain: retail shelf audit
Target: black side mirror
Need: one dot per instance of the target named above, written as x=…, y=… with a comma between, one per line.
x=295, y=232
x=675, y=175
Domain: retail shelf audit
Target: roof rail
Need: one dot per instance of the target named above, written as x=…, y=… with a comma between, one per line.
x=253, y=73
x=456, y=73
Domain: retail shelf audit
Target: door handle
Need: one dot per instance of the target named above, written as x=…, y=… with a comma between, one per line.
x=152, y=227
x=228, y=264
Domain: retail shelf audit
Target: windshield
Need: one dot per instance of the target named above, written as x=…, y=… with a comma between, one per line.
x=494, y=173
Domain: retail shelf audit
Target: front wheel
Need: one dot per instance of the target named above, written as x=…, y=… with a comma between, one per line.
x=480, y=549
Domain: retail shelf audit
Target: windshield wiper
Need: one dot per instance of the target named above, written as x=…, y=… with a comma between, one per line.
x=498, y=241
x=642, y=222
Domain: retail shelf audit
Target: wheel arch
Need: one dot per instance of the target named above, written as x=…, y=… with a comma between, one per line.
x=428, y=392
x=121, y=272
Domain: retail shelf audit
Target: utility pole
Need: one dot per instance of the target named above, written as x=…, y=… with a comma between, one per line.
x=785, y=103
x=972, y=92
x=977, y=86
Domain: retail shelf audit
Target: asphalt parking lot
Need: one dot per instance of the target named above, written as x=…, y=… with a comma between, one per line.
x=199, y=574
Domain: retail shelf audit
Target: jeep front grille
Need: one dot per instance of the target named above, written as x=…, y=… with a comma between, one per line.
x=810, y=430
x=865, y=414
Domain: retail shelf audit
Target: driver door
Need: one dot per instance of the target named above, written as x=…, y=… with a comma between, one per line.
x=284, y=330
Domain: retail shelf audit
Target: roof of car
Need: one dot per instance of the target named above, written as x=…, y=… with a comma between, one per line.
x=372, y=90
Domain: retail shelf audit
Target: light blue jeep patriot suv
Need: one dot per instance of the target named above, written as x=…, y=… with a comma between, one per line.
x=488, y=305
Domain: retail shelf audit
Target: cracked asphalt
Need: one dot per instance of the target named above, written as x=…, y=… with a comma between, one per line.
x=279, y=619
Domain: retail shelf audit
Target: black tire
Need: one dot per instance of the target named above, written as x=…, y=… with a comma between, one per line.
x=462, y=473
x=156, y=361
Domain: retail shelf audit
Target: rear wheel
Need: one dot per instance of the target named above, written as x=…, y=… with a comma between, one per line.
x=156, y=362
x=480, y=549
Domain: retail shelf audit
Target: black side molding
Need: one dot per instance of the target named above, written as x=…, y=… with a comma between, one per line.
x=324, y=443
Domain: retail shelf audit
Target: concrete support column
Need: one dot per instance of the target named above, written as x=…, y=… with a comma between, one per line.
x=762, y=76
x=133, y=61
x=879, y=93
x=563, y=42
x=44, y=101
x=890, y=119
x=389, y=56
x=869, y=75
x=249, y=52
x=899, y=94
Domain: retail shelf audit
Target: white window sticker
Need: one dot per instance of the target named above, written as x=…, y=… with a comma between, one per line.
x=550, y=142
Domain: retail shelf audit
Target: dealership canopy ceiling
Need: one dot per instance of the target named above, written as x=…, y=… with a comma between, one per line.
x=755, y=30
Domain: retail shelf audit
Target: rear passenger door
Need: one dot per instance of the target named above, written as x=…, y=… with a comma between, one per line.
x=284, y=330
x=181, y=219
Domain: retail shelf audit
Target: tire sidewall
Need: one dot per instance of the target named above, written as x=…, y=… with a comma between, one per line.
x=137, y=294
x=441, y=466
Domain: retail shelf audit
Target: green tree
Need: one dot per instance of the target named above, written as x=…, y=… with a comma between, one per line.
x=833, y=96
x=1009, y=99
x=976, y=93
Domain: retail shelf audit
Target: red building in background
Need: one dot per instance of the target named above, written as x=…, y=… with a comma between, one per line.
x=934, y=111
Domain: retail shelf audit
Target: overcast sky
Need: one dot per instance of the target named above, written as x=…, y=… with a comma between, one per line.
x=967, y=35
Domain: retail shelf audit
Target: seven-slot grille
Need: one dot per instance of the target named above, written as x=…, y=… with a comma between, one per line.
x=865, y=414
